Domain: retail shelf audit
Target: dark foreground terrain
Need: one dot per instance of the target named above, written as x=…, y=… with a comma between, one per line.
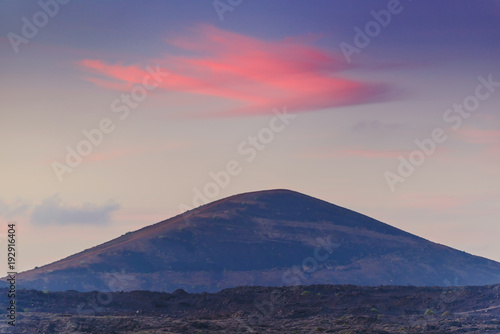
x=300, y=309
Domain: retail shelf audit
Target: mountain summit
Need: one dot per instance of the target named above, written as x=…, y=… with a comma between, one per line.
x=270, y=238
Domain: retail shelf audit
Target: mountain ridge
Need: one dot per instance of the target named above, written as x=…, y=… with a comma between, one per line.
x=256, y=238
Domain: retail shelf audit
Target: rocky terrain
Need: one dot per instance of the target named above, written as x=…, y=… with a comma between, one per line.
x=298, y=309
x=265, y=238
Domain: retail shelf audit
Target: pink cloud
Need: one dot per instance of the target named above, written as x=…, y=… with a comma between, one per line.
x=479, y=136
x=494, y=151
x=258, y=75
x=122, y=77
x=433, y=202
x=110, y=84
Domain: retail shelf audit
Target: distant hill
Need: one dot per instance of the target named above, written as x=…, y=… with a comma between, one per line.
x=267, y=238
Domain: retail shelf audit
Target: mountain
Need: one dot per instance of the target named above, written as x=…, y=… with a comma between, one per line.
x=268, y=238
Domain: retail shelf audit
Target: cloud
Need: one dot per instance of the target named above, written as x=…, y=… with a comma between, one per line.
x=53, y=211
x=494, y=152
x=9, y=210
x=488, y=142
x=479, y=136
x=434, y=202
x=257, y=75
x=470, y=203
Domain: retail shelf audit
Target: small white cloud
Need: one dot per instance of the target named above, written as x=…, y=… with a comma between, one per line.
x=54, y=211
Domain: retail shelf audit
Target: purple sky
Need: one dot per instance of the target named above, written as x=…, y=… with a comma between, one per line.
x=157, y=99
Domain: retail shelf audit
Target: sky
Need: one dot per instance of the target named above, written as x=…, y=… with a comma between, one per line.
x=117, y=115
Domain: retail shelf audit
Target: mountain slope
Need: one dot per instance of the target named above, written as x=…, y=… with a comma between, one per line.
x=275, y=237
